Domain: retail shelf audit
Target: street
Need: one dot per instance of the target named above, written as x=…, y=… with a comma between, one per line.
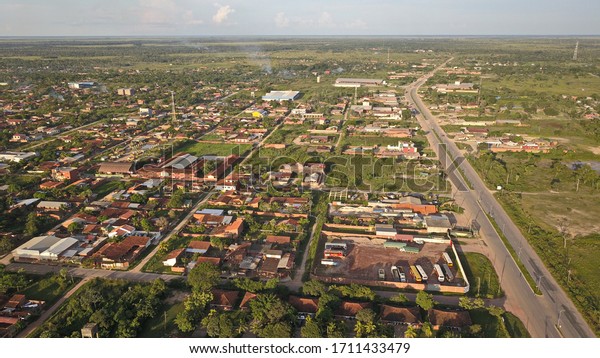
x=539, y=313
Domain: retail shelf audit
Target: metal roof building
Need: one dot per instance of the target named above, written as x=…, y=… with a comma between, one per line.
x=281, y=96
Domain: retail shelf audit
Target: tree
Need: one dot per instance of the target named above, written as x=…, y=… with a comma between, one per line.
x=162, y=222
x=399, y=298
x=411, y=332
x=277, y=330
x=73, y=227
x=336, y=329
x=425, y=300
x=465, y=303
x=427, y=330
x=5, y=245
x=311, y=329
x=496, y=311
x=364, y=329
x=146, y=225
x=32, y=224
x=314, y=288
x=475, y=330
x=365, y=315
x=203, y=277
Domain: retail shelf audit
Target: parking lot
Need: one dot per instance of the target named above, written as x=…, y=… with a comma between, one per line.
x=365, y=257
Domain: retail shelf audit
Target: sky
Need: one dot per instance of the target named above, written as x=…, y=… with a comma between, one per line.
x=300, y=17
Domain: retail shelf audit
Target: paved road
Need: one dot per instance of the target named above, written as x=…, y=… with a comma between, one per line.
x=175, y=231
x=539, y=313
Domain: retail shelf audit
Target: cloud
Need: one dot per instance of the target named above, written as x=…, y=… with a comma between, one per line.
x=189, y=18
x=222, y=13
x=281, y=20
x=325, y=20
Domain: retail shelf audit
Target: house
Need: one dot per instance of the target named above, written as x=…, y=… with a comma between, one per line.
x=449, y=319
x=348, y=310
x=224, y=300
x=281, y=240
x=65, y=173
x=438, y=224
x=8, y=326
x=269, y=267
x=172, y=257
x=400, y=315
x=121, y=254
x=113, y=168
x=304, y=306
x=233, y=230
x=52, y=205
x=244, y=305
x=198, y=247
x=211, y=260
x=125, y=91
x=19, y=138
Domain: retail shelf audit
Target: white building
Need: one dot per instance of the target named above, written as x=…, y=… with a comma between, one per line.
x=16, y=157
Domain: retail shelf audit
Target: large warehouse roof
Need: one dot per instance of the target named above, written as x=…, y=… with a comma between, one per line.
x=281, y=96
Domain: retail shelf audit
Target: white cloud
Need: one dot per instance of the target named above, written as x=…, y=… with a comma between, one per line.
x=281, y=20
x=325, y=20
x=189, y=18
x=222, y=13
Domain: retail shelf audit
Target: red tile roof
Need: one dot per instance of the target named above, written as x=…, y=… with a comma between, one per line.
x=303, y=304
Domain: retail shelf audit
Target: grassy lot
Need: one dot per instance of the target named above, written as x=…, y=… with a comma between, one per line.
x=106, y=188
x=514, y=326
x=286, y=134
x=481, y=274
x=155, y=263
x=492, y=327
x=548, y=84
x=49, y=288
x=199, y=149
x=163, y=324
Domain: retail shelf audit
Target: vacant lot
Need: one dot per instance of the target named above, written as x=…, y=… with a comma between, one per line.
x=199, y=149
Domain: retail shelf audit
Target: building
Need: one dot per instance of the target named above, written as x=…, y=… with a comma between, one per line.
x=449, y=319
x=81, y=85
x=400, y=315
x=281, y=96
x=16, y=157
x=224, y=300
x=358, y=82
x=385, y=230
x=44, y=248
x=125, y=91
x=119, y=255
x=348, y=310
x=438, y=224
x=198, y=247
x=172, y=257
x=116, y=168
x=304, y=306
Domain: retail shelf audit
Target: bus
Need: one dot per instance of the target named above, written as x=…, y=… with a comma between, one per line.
x=424, y=276
x=448, y=272
x=439, y=272
x=415, y=273
x=447, y=259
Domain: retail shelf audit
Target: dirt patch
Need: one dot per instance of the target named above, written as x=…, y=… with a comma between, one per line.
x=176, y=297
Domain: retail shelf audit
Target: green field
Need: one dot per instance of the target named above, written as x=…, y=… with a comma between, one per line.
x=482, y=276
x=162, y=325
x=200, y=149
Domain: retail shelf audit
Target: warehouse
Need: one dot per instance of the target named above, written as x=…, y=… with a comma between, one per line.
x=281, y=96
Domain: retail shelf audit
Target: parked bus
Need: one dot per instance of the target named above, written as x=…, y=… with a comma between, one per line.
x=448, y=272
x=447, y=259
x=415, y=273
x=424, y=276
x=439, y=272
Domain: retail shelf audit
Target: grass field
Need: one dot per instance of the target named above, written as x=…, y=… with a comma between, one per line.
x=163, y=324
x=48, y=288
x=200, y=149
x=482, y=276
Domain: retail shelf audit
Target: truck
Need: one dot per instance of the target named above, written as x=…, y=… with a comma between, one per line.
x=439, y=272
